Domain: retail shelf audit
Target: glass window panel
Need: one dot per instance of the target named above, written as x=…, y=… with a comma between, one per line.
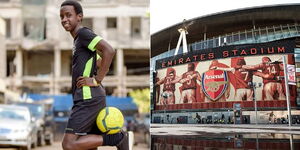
x=242, y=36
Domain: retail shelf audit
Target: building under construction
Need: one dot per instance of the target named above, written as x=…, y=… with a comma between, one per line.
x=36, y=51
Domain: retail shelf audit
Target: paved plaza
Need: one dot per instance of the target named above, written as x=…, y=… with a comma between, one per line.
x=196, y=129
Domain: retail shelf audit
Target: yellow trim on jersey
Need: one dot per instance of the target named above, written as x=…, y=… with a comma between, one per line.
x=86, y=90
x=98, y=57
x=93, y=43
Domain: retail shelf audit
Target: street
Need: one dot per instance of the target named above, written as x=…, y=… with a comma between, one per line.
x=57, y=146
x=224, y=136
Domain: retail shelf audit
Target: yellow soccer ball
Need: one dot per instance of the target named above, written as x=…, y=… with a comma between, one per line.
x=110, y=120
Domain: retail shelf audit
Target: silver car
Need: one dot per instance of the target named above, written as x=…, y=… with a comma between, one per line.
x=16, y=127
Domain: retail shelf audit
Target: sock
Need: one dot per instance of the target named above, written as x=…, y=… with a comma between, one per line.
x=112, y=139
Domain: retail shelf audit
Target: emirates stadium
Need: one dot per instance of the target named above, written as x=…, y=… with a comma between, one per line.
x=235, y=67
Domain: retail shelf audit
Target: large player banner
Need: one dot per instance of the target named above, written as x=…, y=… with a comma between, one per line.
x=224, y=74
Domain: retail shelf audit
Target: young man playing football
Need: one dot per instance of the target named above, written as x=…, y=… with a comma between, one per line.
x=88, y=93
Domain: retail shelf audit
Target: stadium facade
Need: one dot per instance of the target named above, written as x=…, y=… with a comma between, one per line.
x=233, y=71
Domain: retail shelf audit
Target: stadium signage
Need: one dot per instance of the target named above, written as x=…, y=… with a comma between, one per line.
x=214, y=83
x=214, y=76
x=270, y=48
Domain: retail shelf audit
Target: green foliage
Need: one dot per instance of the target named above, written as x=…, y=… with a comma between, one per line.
x=142, y=99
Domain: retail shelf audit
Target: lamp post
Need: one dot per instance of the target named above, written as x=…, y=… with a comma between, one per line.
x=165, y=112
x=287, y=91
x=253, y=85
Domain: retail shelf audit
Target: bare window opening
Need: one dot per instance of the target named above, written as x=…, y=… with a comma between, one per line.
x=136, y=62
x=38, y=63
x=135, y=26
x=34, y=28
x=8, y=27
x=66, y=63
x=2, y=98
x=45, y=30
x=88, y=22
x=111, y=22
x=10, y=65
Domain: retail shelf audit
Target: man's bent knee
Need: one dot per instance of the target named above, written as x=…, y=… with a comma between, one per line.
x=69, y=142
x=70, y=145
x=67, y=145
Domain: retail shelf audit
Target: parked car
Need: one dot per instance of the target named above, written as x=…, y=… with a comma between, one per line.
x=17, y=128
x=62, y=110
x=43, y=121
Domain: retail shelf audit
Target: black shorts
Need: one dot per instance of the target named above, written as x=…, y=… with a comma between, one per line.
x=83, y=117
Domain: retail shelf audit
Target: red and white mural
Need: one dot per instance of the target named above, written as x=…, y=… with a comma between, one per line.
x=189, y=80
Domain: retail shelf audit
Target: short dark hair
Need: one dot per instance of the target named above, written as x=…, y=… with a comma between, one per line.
x=241, y=62
x=75, y=4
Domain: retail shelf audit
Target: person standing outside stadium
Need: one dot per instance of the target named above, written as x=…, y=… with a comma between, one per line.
x=88, y=93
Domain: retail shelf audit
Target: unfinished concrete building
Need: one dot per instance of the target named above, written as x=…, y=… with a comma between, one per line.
x=37, y=54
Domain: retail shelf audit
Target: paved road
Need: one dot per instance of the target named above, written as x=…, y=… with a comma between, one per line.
x=57, y=146
x=138, y=137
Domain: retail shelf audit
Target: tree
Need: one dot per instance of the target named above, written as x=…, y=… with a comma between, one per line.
x=142, y=99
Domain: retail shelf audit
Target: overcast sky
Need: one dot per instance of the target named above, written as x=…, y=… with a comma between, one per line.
x=164, y=13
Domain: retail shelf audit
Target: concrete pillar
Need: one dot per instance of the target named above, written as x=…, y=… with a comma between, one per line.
x=57, y=61
x=19, y=63
x=17, y=77
x=56, y=69
x=121, y=74
x=2, y=55
x=2, y=48
x=145, y=28
x=120, y=62
x=124, y=85
x=100, y=23
x=51, y=83
x=124, y=28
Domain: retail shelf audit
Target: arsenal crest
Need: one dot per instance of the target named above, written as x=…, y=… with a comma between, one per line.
x=214, y=83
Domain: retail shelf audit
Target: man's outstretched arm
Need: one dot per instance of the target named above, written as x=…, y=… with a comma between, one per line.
x=263, y=75
x=159, y=82
x=222, y=68
x=252, y=67
x=177, y=79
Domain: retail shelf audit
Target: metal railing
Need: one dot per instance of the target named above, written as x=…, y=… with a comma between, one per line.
x=259, y=35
